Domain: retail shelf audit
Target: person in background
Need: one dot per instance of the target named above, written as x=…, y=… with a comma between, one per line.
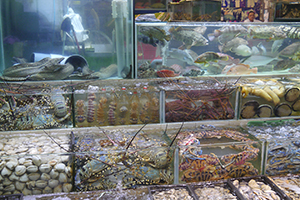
x=251, y=17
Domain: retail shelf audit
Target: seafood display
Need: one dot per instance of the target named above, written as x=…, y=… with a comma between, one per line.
x=26, y=107
x=33, y=164
x=289, y=185
x=109, y=106
x=170, y=193
x=218, y=160
x=107, y=158
x=199, y=101
x=282, y=155
x=216, y=48
x=269, y=98
x=258, y=188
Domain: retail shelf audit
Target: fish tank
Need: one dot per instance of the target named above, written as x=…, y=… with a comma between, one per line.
x=179, y=49
x=66, y=39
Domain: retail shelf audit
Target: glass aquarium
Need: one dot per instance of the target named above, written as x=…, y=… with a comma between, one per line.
x=177, y=49
x=66, y=39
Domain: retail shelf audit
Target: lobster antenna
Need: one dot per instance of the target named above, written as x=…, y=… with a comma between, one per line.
x=135, y=136
x=176, y=134
x=55, y=141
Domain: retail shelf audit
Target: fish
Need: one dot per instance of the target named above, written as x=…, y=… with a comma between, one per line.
x=238, y=69
x=186, y=55
x=210, y=56
x=276, y=45
x=242, y=50
x=229, y=61
x=230, y=45
x=227, y=33
x=155, y=33
x=149, y=40
x=189, y=37
x=166, y=73
x=258, y=60
x=285, y=64
x=292, y=51
x=269, y=33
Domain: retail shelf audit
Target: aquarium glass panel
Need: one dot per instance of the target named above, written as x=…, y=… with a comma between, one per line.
x=179, y=49
x=63, y=39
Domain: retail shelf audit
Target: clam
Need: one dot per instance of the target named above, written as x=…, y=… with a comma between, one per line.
x=53, y=183
x=32, y=168
x=45, y=177
x=41, y=183
x=54, y=174
x=24, y=178
x=282, y=110
x=6, y=182
x=20, y=170
x=6, y=172
x=19, y=185
x=292, y=94
x=45, y=168
x=60, y=167
x=2, y=164
x=26, y=191
x=30, y=184
x=13, y=177
x=27, y=163
x=58, y=189
x=12, y=164
x=36, y=191
x=34, y=176
x=9, y=188
x=37, y=160
x=67, y=187
x=63, y=178
x=264, y=110
x=47, y=190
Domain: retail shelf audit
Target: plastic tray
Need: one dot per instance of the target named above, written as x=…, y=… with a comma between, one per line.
x=265, y=180
x=11, y=197
x=224, y=184
x=160, y=188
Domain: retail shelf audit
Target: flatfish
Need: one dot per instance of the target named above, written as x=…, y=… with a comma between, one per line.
x=292, y=51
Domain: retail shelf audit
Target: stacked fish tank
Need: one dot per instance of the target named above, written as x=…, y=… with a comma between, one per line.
x=177, y=49
x=62, y=39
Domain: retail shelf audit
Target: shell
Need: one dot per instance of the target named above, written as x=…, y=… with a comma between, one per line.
x=54, y=174
x=27, y=163
x=2, y=164
x=41, y=183
x=24, y=178
x=20, y=170
x=26, y=191
x=265, y=110
x=37, y=160
x=6, y=182
x=53, y=183
x=67, y=187
x=252, y=183
x=32, y=168
x=45, y=177
x=34, y=176
x=60, y=167
x=13, y=177
x=6, y=172
x=52, y=162
x=292, y=94
x=58, y=189
x=9, y=188
x=47, y=190
x=282, y=110
x=36, y=191
x=19, y=185
x=30, y=184
x=45, y=168
x=12, y=164
x=63, y=178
